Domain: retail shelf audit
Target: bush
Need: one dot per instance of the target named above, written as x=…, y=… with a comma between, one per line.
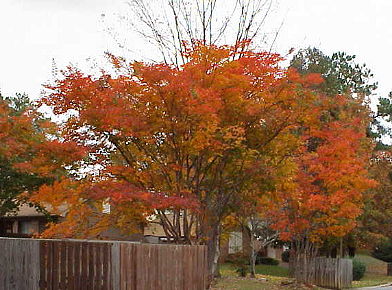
x=383, y=251
x=359, y=269
x=286, y=256
x=240, y=262
x=237, y=258
x=242, y=270
x=266, y=261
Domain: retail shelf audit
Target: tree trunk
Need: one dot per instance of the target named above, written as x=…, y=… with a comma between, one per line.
x=252, y=256
x=213, y=252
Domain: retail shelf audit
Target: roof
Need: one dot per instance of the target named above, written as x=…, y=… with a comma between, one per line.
x=29, y=211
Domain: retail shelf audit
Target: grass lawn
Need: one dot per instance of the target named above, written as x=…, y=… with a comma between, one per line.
x=372, y=280
x=373, y=265
x=272, y=277
x=268, y=277
x=265, y=270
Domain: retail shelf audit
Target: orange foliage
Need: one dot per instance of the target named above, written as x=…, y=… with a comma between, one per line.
x=21, y=139
x=327, y=192
x=197, y=138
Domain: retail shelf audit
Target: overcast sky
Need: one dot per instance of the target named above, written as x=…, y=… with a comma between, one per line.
x=33, y=32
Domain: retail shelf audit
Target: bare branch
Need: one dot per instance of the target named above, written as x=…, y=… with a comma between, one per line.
x=169, y=24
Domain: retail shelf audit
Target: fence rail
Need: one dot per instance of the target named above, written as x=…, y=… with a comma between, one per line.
x=323, y=272
x=103, y=265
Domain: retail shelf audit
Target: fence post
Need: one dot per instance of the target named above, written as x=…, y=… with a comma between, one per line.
x=389, y=269
x=115, y=262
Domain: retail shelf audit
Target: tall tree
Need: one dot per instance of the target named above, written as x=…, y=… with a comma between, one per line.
x=184, y=143
x=344, y=76
x=326, y=196
x=341, y=73
x=375, y=223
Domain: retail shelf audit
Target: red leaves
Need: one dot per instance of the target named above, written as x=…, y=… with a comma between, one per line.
x=200, y=136
x=331, y=180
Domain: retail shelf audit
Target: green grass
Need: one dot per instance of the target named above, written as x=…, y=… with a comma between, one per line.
x=275, y=275
x=375, y=271
x=373, y=265
x=276, y=271
x=267, y=277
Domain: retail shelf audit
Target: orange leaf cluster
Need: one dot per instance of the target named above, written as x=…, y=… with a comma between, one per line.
x=200, y=137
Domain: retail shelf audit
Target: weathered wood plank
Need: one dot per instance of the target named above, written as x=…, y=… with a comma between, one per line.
x=90, y=265
x=62, y=265
x=70, y=266
x=98, y=269
x=77, y=265
x=106, y=261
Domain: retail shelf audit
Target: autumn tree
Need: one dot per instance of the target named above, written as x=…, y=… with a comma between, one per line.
x=181, y=143
x=343, y=75
x=15, y=138
x=326, y=195
x=375, y=222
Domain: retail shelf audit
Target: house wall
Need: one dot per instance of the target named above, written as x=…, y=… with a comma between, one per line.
x=245, y=249
x=21, y=226
x=229, y=246
x=275, y=253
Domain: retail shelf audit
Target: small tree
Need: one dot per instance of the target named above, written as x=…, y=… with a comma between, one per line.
x=24, y=143
x=259, y=230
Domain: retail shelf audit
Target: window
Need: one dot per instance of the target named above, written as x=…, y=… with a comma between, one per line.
x=25, y=227
x=106, y=206
x=8, y=227
x=28, y=227
x=235, y=242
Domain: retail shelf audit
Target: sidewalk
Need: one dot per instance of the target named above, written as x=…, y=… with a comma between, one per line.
x=380, y=287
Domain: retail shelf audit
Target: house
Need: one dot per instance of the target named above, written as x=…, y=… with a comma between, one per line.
x=238, y=242
x=28, y=221
x=25, y=223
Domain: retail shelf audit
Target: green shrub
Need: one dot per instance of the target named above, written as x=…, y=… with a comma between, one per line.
x=237, y=258
x=266, y=261
x=359, y=269
x=286, y=256
x=242, y=270
x=240, y=262
x=383, y=251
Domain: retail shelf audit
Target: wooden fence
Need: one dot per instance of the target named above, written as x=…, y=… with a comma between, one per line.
x=30, y=264
x=323, y=272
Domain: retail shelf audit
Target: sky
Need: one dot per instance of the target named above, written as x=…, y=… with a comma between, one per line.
x=34, y=32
